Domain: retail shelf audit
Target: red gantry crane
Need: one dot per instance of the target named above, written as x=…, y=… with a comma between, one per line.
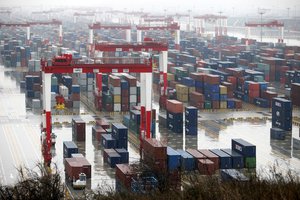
x=168, y=27
x=146, y=46
x=87, y=14
x=29, y=24
x=270, y=24
x=219, y=22
x=65, y=64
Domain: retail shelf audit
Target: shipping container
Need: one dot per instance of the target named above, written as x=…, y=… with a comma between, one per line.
x=225, y=160
x=173, y=159
x=237, y=159
x=243, y=147
x=69, y=148
x=187, y=161
x=211, y=156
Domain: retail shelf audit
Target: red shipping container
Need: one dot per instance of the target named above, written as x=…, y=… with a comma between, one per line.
x=253, y=86
x=196, y=97
x=75, y=97
x=131, y=80
x=106, y=152
x=238, y=104
x=195, y=153
x=125, y=173
x=212, y=79
x=211, y=156
x=216, y=104
x=78, y=129
x=124, y=107
x=97, y=131
x=232, y=80
x=253, y=93
x=295, y=94
x=154, y=148
x=77, y=165
x=103, y=123
x=174, y=106
x=124, y=93
x=114, y=81
x=206, y=166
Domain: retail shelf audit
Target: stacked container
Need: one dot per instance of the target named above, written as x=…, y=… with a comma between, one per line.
x=120, y=133
x=90, y=85
x=212, y=91
x=76, y=165
x=282, y=113
x=114, y=84
x=155, y=154
x=132, y=83
x=295, y=93
x=191, y=120
x=247, y=150
x=78, y=130
x=182, y=92
x=124, y=95
x=75, y=96
x=196, y=99
x=175, y=116
x=223, y=97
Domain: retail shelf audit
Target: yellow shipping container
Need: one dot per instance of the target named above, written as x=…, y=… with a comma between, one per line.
x=223, y=89
x=170, y=77
x=192, y=89
x=182, y=97
x=117, y=98
x=223, y=104
x=182, y=89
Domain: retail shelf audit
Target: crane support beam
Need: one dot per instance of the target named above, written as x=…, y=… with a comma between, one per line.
x=145, y=46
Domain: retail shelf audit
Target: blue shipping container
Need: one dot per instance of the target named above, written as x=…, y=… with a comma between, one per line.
x=69, y=148
x=277, y=133
x=173, y=159
x=237, y=159
x=113, y=159
x=119, y=131
x=124, y=155
x=225, y=160
x=243, y=147
x=187, y=161
x=108, y=142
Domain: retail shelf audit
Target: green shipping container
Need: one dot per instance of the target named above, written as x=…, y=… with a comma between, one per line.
x=250, y=162
x=207, y=105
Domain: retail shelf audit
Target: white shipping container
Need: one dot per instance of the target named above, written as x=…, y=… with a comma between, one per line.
x=90, y=81
x=117, y=107
x=132, y=98
x=90, y=88
x=64, y=91
x=132, y=90
x=115, y=90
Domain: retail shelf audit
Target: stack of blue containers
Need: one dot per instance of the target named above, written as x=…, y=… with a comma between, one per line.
x=120, y=133
x=191, y=120
x=188, y=81
x=175, y=122
x=212, y=92
x=29, y=81
x=67, y=81
x=282, y=113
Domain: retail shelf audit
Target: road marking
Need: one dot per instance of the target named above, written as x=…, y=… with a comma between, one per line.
x=3, y=178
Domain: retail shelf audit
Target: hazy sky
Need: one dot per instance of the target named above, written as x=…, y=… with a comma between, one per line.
x=201, y=6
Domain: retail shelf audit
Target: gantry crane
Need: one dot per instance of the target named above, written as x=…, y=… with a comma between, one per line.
x=27, y=25
x=86, y=14
x=169, y=27
x=98, y=26
x=149, y=46
x=270, y=24
x=219, y=22
x=65, y=64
